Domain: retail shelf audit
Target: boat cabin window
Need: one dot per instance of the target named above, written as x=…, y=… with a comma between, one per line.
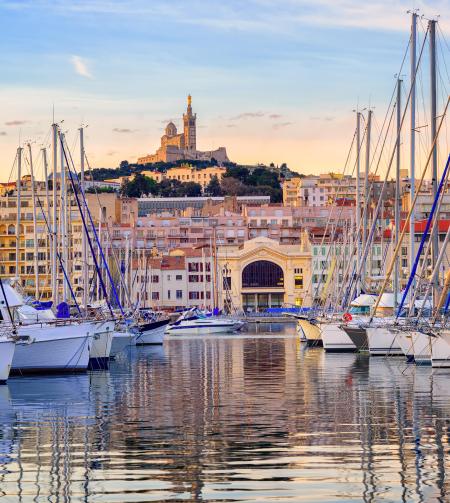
x=360, y=310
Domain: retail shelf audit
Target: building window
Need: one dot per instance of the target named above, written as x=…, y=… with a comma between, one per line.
x=262, y=274
x=298, y=281
x=227, y=283
x=193, y=278
x=179, y=294
x=298, y=270
x=168, y=294
x=155, y=278
x=178, y=277
x=155, y=295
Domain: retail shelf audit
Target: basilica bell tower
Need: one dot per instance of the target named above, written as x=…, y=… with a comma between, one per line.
x=190, y=130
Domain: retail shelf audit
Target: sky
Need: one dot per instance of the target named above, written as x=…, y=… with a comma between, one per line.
x=271, y=80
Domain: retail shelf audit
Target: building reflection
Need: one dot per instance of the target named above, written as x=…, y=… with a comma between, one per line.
x=252, y=418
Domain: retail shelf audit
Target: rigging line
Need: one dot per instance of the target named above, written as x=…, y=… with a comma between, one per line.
x=335, y=225
x=443, y=37
x=59, y=258
x=12, y=167
x=108, y=272
x=308, y=290
x=372, y=230
x=108, y=234
x=425, y=235
x=397, y=248
x=105, y=293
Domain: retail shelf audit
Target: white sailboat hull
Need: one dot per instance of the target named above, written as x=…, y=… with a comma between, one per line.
x=155, y=336
x=52, y=348
x=7, y=348
x=204, y=327
x=382, y=342
x=120, y=341
x=422, y=348
x=440, y=350
x=335, y=339
x=100, y=351
x=405, y=342
x=311, y=332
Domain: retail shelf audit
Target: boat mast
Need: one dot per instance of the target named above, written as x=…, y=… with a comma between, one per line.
x=358, y=198
x=412, y=174
x=35, y=235
x=63, y=215
x=366, y=190
x=84, y=253
x=204, y=277
x=19, y=193
x=47, y=201
x=433, y=88
x=54, y=278
x=397, y=192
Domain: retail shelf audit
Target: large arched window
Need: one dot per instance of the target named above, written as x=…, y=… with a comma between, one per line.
x=262, y=274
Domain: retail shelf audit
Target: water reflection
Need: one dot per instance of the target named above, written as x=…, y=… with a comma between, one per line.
x=229, y=419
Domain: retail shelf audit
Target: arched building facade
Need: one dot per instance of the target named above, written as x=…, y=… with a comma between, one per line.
x=263, y=273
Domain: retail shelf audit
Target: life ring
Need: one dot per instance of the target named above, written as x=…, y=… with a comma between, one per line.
x=347, y=317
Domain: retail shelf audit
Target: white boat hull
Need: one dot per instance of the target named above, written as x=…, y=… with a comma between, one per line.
x=440, y=350
x=382, y=342
x=205, y=327
x=100, y=351
x=7, y=348
x=120, y=341
x=405, y=342
x=52, y=348
x=311, y=332
x=335, y=339
x=421, y=344
x=155, y=336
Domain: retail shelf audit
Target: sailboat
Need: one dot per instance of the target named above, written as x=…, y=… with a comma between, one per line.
x=7, y=348
x=194, y=322
x=46, y=345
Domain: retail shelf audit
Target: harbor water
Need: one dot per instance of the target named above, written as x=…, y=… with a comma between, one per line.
x=250, y=417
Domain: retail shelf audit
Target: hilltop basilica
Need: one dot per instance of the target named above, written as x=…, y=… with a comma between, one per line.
x=179, y=146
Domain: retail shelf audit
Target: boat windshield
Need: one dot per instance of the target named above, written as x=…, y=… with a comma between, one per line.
x=360, y=310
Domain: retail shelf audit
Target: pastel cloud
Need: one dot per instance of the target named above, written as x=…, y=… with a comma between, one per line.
x=80, y=66
x=248, y=115
x=15, y=123
x=123, y=130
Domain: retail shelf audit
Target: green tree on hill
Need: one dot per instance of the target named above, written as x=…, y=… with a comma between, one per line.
x=139, y=186
x=213, y=188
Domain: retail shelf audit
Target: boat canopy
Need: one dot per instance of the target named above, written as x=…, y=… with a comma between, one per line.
x=13, y=297
x=29, y=313
x=364, y=300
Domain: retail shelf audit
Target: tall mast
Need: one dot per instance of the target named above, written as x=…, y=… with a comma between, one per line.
x=397, y=191
x=19, y=193
x=54, y=277
x=204, y=277
x=433, y=88
x=35, y=234
x=63, y=217
x=366, y=187
x=358, y=197
x=48, y=216
x=412, y=174
x=84, y=252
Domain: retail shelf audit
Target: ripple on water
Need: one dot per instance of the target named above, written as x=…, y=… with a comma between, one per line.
x=257, y=417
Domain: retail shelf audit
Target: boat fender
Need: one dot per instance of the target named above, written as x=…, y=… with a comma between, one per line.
x=347, y=317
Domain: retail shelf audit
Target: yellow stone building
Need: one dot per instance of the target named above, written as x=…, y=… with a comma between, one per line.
x=177, y=146
x=263, y=273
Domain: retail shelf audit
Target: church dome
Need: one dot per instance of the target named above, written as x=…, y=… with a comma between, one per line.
x=171, y=129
